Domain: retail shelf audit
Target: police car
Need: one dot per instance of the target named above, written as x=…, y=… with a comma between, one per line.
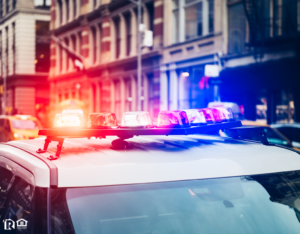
x=138, y=178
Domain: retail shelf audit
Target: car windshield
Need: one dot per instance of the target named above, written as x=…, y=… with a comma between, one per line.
x=24, y=124
x=266, y=203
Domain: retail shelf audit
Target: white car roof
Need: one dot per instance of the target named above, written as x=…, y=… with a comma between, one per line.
x=92, y=162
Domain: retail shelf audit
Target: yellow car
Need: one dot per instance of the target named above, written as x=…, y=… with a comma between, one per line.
x=18, y=127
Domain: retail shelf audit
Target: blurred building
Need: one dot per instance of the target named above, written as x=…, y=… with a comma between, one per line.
x=105, y=34
x=261, y=67
x=254, y=43
x=24, y=54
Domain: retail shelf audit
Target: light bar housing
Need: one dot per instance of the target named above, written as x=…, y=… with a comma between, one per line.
x=172, y=119
x=227, y=114
x=195, y=117
x=102, y=120
x=136, y=119
x=68, y=121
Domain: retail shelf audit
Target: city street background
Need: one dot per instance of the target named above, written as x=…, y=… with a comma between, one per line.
x=82, y=54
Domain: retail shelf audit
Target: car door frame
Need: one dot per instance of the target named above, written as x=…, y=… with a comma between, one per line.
x=24, y=174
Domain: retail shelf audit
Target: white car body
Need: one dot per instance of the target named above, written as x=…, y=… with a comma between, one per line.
x=84, y=162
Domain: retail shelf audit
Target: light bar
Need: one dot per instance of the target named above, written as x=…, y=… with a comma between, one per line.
x=227, y=114
x=172, y=119
x=68, y=120
x=208, y=115
x=195, y=117
x=136, y=119
x=102, y=120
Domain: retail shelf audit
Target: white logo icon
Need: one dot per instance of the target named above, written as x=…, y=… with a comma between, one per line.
x=22, y=224
x=10, y=224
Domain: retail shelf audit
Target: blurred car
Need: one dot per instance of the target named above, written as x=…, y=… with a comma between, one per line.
x=272, y=134
x=291, y=131
x=233, y=106
x=18, y=127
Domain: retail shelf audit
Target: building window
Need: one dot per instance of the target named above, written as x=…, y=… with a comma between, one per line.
x=191, y=19
x=67, y=10
x=60, y=58
x=73, y=38
x=14, y=4
x=42, y=46
x=74, y=8
x=236, y=28
x=95, y=3
x=210, y=16
x=94, y=41
x=60, y=11
x=175, y=19
x=79, y=43
x=117, y=36
x=6, y=51
x=46, y=4
x=67, y=54
x=1, y=8
x=7, y=6
x=100, y=49
x=128, y=33
x=14, y=47
x=128, y=95
x=118, y=98
x=1, y=59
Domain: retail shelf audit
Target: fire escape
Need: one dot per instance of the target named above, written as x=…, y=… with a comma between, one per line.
x=256, y=28
x=266, y=31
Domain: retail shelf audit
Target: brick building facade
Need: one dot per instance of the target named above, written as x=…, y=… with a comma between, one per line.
x=24, y=55
x=106, y=36
x=187, y=35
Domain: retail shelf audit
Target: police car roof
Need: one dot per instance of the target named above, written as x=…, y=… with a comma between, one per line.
x=92, y=162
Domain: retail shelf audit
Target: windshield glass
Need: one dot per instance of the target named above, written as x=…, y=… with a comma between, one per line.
x=24, y=124
x=253, y=204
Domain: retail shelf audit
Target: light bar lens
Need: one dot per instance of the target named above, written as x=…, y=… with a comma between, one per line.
x=227, y=114
x=195, y=117
x=68, y=120
x=172, y=119
x=136, y=119
x=102, y=120
x=208, y=115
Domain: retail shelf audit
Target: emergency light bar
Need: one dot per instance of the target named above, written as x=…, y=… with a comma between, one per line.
x=100, y=125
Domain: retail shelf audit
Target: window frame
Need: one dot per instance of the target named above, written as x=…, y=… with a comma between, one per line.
x=181, y=8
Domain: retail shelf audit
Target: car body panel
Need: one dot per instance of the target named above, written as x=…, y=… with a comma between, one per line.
x=28, y=161
x=92, y=162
